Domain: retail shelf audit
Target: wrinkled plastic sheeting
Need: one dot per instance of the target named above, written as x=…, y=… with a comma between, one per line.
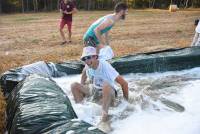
x=12, y=77
x=157, y=61
x=160, y=61
x=70, y=67
x=38, y=105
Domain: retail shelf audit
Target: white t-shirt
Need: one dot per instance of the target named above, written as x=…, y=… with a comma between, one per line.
x=198, y=28
x=104, y=72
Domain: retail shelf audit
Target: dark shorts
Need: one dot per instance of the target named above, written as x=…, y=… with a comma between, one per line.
x=90, y=42
x=64, y=22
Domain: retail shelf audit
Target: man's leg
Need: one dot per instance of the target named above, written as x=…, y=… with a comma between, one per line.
x=79, y=91
x=108, y=97
x=69, y=27
x=62, y=24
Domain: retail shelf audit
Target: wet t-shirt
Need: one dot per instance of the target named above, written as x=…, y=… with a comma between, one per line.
x=104, y=73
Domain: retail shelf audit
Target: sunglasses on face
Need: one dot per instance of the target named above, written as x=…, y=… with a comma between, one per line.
x=86, y=58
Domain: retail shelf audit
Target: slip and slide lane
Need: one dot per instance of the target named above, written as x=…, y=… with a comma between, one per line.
x=37, y=104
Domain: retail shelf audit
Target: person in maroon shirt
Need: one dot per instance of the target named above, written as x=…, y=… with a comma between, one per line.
x=67, y=8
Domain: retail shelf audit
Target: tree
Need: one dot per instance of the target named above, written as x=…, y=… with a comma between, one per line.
x=35, y=4
x=186, y=4
x=45, y=5
x=27, y=5
x=0, y=6
x=22, y=5
x=51, y=5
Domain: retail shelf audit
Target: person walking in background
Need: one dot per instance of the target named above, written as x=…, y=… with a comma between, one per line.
x=97, y=33
x=67, y=9
x=102, y=77
x=196, y=39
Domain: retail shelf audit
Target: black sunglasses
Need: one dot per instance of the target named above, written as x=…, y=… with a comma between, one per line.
x=86, y=58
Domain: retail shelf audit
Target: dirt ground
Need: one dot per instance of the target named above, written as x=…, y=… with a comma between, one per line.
x=26, y=38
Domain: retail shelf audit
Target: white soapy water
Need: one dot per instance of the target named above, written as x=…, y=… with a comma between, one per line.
x=147, y=114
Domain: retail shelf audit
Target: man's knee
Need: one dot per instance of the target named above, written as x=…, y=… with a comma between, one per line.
x=107, y=88
x=75, y=86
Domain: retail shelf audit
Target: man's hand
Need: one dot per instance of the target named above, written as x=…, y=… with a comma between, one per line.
x=65, y=12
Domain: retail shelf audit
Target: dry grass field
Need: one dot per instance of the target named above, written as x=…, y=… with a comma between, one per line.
x=26, y=38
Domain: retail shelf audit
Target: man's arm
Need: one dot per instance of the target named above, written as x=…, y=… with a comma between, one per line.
x=61, y=11
x=124, y=85
x=74, y=10
x=83, y=77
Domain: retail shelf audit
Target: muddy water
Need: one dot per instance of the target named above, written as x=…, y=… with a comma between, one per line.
x=160, y=103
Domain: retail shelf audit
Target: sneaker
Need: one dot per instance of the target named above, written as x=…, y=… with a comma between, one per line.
x=104, y=126
x=64, y=42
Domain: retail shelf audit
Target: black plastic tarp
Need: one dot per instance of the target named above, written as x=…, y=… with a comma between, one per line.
x=160, y=61
x=38, y=105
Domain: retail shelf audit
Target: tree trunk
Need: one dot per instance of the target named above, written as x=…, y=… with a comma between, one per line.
x=22, y=6
x=35, y=4
x=27, y=5
x=153, y=3
x=186, y=4
x=89, y=4
x=58, y=4
x=133, y=5
x=0, y=7
x=51, y=5
x=85, y=4
x=45, y=5
x=192, y=3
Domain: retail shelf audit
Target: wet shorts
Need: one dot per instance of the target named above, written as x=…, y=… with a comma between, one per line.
x=97, y=93
x=90, y=42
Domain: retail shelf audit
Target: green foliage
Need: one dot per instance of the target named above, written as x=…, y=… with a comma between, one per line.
x=50, y=5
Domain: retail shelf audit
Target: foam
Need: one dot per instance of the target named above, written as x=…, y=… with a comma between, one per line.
x=182, y=87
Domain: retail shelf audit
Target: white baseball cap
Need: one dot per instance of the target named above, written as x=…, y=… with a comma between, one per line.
x=88, y=51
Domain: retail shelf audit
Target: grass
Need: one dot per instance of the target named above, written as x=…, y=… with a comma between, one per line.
x=26, y=19
x=27, y=38
x=178, y=31
x=2, y=113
